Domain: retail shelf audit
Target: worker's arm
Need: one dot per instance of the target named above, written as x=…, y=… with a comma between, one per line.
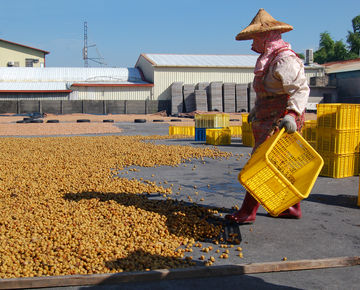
x=290, y=71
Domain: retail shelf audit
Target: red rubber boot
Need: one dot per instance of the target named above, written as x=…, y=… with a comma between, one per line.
x=293, y=212
x=247, y=212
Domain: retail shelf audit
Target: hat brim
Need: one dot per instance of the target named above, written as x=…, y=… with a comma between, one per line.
x=254, y=29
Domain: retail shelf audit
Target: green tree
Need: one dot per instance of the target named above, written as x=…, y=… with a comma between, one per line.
x=340, y=51
x=353, y=38
x=330, y=50
x=325, y=53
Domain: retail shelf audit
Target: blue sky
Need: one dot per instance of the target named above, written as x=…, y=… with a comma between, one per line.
x=122, y=30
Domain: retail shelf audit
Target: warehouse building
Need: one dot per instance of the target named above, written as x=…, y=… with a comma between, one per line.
x=18, y=55
x=70, y=83
x=63, y=90
x=164, y=69
x=345, y=76
x=146, y=88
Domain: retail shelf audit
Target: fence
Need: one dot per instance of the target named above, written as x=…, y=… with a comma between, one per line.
x=85, y=106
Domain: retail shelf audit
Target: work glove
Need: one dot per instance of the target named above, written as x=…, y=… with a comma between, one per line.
x=251, y=116
x=288, y=122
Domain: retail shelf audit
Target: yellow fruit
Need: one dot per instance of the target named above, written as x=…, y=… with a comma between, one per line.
x=67, y=207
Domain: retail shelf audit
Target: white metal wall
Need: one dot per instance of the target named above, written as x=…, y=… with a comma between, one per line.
x=164, y=77
x=111, y=93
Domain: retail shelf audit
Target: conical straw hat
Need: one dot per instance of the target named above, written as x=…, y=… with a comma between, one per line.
x=262, y=22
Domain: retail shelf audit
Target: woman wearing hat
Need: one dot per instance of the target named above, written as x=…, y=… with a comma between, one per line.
x=281, y=94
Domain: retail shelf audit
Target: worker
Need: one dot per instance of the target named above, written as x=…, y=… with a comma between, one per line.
x=282, y=93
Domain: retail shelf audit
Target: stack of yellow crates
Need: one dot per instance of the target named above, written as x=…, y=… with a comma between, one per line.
x=338, y=138
x=182, y=130
x=236, y=131
x=204, y=122
x=218, y=136
x=247, y=134
x=309, y=132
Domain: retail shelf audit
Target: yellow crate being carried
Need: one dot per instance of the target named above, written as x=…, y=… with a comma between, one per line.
x=281, y=172
x=218, y=136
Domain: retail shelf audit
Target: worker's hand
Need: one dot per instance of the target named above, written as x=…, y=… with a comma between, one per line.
x=251, y=116
x=288, y=122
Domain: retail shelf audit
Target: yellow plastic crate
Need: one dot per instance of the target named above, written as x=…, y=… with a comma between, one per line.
x=281, y=172
x=245, y=125
x=182, y=130
x=218, y=136
x=338, y=116
x=340, y=165
x=313, y=144
x=248, y=138
x=358, y=203
x=309, y=130
x=211, y=120
x=236, y=131
x=338, y=141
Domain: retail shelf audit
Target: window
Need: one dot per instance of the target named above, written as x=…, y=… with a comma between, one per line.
x=30, y=61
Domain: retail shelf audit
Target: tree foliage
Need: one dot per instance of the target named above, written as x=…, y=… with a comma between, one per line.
x=330, y=50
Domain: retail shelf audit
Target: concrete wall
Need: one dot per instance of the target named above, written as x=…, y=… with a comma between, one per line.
x=85, y=107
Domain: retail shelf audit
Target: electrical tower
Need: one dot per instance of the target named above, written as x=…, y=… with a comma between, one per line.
x=100, y=60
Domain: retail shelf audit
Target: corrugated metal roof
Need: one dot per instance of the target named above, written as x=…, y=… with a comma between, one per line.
x=70, y=74
x=33, y=86
x=342, y=66
x=193, y=60
x=44, y=51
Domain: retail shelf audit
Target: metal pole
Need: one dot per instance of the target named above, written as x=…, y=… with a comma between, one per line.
x=85, y=49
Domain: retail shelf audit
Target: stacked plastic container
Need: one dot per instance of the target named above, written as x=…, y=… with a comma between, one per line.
x=338, y=139
x=218, y=136
x=309, y=132
x=182, y=130
x=209, y=121
x=247, y=134
x=236, y=131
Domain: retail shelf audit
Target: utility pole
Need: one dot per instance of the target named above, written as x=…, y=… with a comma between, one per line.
x=99, y=59
x=85, y=49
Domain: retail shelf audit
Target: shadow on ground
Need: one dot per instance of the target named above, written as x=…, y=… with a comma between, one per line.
x=182, y=219
x=195, y=283
x=343, y=200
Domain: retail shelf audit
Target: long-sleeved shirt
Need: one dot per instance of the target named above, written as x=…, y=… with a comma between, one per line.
x=286, y=76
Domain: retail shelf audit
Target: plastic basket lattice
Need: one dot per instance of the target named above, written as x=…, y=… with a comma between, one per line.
x=281, y=172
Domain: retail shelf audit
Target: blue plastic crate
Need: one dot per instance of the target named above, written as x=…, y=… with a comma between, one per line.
x=200, y=134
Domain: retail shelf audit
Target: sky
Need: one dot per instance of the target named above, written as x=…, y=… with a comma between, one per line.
x=122, y=30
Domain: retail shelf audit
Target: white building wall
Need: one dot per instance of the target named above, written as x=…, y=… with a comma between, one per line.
x=146, y=68
x=111, y=93
x=164, y=77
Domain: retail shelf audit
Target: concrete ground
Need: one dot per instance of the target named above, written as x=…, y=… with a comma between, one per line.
x=330, y=226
